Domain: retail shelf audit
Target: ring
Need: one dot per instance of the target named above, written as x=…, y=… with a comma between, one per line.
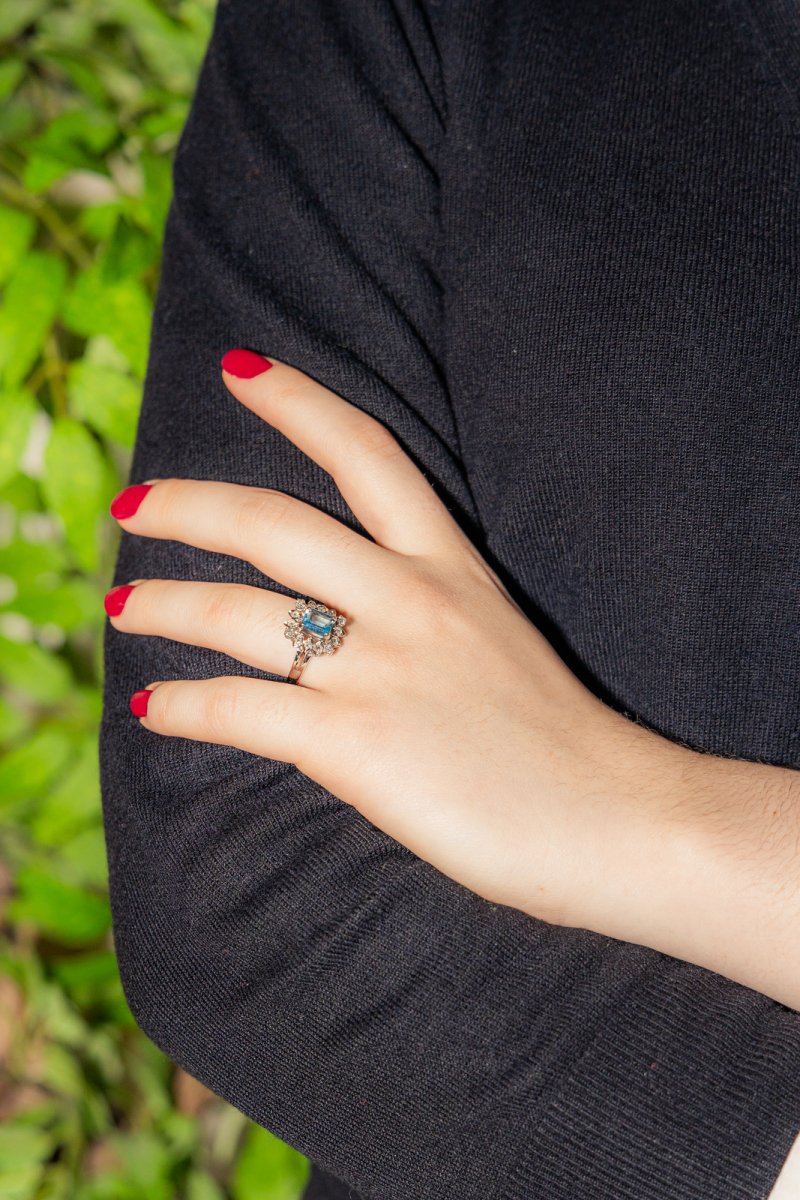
x=313, y=629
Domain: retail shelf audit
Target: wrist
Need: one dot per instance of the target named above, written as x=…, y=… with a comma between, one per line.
x=706, y=866
x=739, y=856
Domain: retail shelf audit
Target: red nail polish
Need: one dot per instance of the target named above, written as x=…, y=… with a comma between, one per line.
x=139, y=702
x=114, y=601
x=244, y=364
x=127, y=502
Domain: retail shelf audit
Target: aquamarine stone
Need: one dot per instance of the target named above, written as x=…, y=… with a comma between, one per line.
x=317, y=622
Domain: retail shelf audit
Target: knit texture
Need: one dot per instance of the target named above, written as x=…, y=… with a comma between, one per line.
x=553, y=245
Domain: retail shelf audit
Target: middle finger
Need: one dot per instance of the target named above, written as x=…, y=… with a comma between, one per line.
x=292, y=542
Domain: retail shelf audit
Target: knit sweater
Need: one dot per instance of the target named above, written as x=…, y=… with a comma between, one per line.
x=553, y=245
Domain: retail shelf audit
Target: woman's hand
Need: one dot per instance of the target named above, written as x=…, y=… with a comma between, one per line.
x=445, y=717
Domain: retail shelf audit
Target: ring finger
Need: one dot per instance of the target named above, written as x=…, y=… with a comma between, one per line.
x=244, y=622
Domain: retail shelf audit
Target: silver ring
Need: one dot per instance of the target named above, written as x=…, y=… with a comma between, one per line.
x=313, y=629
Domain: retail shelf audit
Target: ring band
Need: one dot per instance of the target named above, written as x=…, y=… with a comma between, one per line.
x=313, y=629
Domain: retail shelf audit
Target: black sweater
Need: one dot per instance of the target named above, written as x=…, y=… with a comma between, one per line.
x=553, y=245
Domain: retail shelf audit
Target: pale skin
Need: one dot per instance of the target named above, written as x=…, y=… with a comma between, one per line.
x=454, y=726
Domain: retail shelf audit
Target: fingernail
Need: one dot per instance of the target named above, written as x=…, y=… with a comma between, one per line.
x=114, y=601
x=127, y=502
x=244, y=364
x=139, y=702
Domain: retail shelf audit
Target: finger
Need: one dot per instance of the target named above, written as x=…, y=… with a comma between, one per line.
x=292, y=542
x=247, y=623
x=272, y=719
x=385, y=489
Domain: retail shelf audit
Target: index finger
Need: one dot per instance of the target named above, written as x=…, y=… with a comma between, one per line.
x=385, y=489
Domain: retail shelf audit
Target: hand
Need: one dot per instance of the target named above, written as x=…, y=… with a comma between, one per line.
x=445, y=717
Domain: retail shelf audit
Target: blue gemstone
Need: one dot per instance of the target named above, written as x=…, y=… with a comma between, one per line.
x=317, y=622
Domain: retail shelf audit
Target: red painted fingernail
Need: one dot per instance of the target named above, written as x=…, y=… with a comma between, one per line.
x=127, y=502
x=244, y=364
x=139, y=702
x=114, y=601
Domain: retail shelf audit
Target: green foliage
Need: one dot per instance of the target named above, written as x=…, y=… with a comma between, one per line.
x=93, y=95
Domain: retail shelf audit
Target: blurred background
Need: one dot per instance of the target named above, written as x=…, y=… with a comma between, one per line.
x=93, y=95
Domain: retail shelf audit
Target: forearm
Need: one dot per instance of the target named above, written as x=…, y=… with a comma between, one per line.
x=705, y=863
x=787, y=1186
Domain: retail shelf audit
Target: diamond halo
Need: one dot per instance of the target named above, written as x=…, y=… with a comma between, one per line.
x=314, y=628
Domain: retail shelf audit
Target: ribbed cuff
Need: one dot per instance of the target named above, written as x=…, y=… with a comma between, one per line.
x=691, y=1091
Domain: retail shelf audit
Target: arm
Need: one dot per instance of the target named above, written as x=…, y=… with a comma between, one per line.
x=405, y=1034
x=787, y=1186
x=724, y=865
x=624, y=832
x=701, y=858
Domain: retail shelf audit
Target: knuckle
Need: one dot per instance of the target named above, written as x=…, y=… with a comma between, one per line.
x=371, y=440
x=341, y=739
x=440, y=603
x=432, y=592
x=342, y=540
x=223, y=608
x=258, y=514
x=270, y=707
x=220, y=708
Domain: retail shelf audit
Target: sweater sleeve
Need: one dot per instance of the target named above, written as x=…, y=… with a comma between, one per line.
x=412, y=1039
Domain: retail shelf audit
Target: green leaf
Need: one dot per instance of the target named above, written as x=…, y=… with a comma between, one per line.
x=13, y=723
x=16, y=16
x=83, y=859
x=152, y=1076
x=22, y=1146
x=71, y=605
x=43, y=170
x=167, y=120
x=268, y=1167
x=202, y=1187
x=73, y=28
x=26, y=771
x=34, y=566
x=31, y=300
x=17, y=410
x=93, y=984
x=75, y=484
x=32, y=671
x=20, y=1183
x=16, y=234
x=170, y=52
x=128, y=251
x=179, y=1132
x=59, y=909
x=60, y=1072
x=72, y=134
x=17, y=117
x=108, y=400
x=74, y=802
x=11, y=72
x=148, y=1164
x=56, y=1015
x=22, y=492
x=150, y=209
x=100, y=351
x=78, y=72
x=120, y=309
x=86, y=970
x=24, y=1149
x=100, y=220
